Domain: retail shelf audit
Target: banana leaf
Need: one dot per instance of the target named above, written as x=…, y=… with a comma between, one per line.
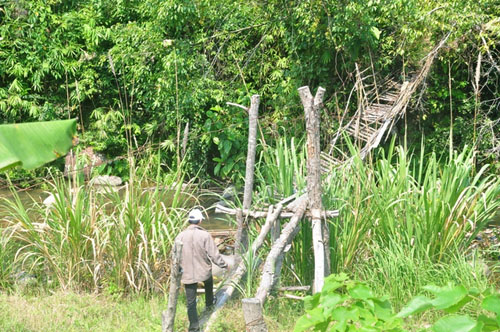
x=33, y=144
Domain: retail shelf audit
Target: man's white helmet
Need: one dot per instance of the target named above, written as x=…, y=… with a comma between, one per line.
x=195, y=216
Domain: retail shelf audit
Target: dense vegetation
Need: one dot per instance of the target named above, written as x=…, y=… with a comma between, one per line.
x=136, y=72
x=139, y=70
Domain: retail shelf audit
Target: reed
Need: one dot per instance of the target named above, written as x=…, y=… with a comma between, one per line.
x=395, y=204
x=93, y=240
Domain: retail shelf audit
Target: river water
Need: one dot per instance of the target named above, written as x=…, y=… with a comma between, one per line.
x=215, y=221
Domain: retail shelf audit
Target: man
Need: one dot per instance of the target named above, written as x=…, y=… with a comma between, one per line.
x=198, y=253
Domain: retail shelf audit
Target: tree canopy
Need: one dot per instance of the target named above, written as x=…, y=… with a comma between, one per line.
x=136, y=71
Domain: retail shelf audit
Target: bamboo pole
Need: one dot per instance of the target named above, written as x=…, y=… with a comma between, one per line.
x=185, y=140
x=168, y=316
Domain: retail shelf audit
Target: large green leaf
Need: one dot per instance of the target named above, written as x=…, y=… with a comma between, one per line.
x=31, y=145
x=417, y=304
x=456, y=323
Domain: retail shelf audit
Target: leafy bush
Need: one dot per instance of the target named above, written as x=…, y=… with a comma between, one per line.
x=346, y=305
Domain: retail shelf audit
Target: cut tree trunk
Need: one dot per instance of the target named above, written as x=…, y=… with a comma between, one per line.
x=168, y=316
x=312, y=107
x=253, y=317
x=252, y=311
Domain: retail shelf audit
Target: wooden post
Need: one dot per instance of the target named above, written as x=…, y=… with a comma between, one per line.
x=168, y=316
x=241, y=235
x=254, y=320
x=311, y=109
x=253, y=114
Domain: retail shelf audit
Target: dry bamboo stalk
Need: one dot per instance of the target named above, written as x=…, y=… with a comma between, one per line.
x=293, y=297
x=294, y=288
x=185, y=140
x=263, y=214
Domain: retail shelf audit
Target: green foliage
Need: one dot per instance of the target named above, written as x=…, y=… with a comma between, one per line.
x=94, y=238
x=451, y=299
x=137, y=71
x=346, y=305
x=225, y=129
x=427, y=207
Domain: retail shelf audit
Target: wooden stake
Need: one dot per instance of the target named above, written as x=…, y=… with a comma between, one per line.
x=168, y=316
x=270, y=273
x=253, y=114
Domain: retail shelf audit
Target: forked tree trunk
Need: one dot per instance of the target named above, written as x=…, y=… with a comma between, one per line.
x=312, y=115
x=168, y=316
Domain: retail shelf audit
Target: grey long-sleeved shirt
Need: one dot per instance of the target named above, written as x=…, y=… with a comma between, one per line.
x=198, y=253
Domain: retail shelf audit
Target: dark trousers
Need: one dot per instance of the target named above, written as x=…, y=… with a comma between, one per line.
x=194, y=325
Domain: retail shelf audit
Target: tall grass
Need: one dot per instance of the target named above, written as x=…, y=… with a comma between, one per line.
x=93, y=240
x=280, y=173
x=429, y=207
x=403, y=214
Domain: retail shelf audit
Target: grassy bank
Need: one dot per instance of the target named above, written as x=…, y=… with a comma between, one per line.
x=70, y=311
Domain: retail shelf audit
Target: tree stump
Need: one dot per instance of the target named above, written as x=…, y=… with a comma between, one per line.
x=252, y=310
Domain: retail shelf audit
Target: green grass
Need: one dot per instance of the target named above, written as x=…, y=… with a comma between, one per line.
x=70, y=311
